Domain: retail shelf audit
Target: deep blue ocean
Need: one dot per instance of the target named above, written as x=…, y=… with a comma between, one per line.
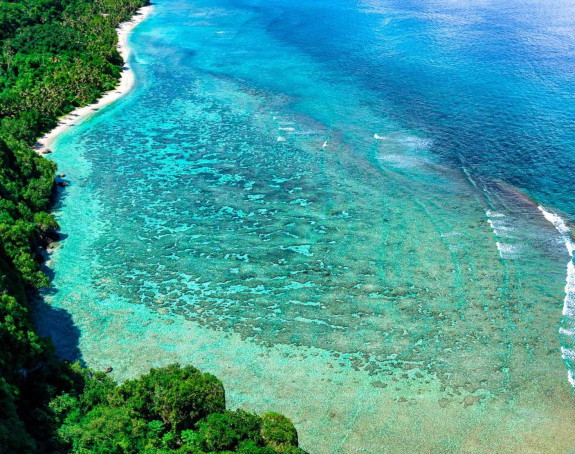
x=491, y=84
x=356, y=213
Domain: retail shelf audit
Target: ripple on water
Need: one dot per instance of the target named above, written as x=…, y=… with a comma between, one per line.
x=365, y=288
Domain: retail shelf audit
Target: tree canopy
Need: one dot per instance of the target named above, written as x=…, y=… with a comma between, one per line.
x=172, y=409
x=57, y=55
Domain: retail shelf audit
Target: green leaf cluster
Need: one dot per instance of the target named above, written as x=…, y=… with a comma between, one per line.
x=172, y=409
x=56, y=55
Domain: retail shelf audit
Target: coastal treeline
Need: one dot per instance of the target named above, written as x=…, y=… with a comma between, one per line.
x=58, y=55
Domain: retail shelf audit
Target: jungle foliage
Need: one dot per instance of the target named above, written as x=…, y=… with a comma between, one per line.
x=172, y=409
x=57, y=55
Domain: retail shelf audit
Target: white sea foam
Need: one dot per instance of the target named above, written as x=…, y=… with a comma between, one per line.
x=501, y=229
x=494, y=214
x=490, y=222
x=417, y=142
x=472, y=181
x=412, y=142
x=507, y=250
x=450, y=234
x=561, y=227
x=401, y=160
x=569, y=356
x=569, y=301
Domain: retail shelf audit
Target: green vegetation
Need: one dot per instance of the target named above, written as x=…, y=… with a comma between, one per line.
x=167, y=410
x=57, y=55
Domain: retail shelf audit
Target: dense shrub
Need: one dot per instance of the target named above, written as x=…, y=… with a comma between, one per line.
x=279, y=432
x=172, y=409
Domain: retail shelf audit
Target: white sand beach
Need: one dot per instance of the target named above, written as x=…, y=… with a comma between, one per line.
x=126, y=84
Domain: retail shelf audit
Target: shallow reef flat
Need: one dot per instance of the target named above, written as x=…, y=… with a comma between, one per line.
x=319, y=258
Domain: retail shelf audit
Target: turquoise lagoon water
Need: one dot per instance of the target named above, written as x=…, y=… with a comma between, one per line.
x=333, y=206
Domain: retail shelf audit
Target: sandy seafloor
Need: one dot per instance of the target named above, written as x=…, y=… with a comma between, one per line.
x=316, y=242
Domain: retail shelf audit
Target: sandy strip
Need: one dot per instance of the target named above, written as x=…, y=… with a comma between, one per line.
x=127, y=80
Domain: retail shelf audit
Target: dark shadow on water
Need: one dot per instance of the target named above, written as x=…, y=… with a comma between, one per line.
x=46, y=255
x=51, y=274
x=62, y=236
x=57, y=324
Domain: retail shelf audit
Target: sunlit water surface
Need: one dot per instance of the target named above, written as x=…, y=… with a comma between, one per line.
x=331, y=206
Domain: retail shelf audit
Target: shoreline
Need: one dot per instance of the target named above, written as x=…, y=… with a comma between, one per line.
x=125, y=85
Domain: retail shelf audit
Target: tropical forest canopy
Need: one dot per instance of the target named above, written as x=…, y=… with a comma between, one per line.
x=58, y=55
